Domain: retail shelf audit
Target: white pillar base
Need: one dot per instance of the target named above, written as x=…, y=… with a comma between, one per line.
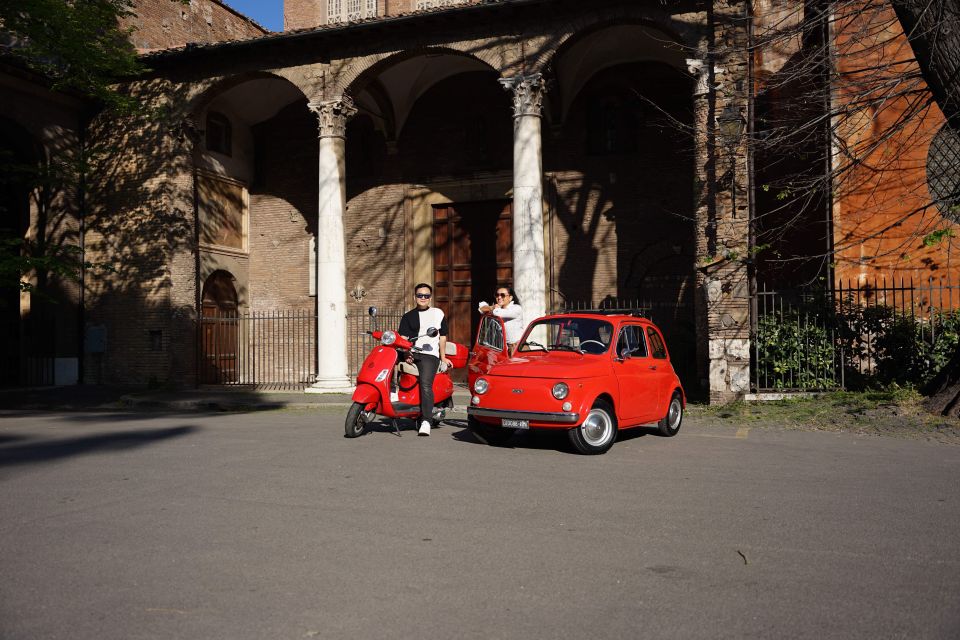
x=331, y=385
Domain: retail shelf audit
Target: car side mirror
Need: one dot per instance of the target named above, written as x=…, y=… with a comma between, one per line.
x=626, y=354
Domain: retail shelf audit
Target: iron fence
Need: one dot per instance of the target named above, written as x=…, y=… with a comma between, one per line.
x=28, y=353
x=853, y=334
x=674, y=317
x=264, y=349
x=359, y=322
x=277, y=349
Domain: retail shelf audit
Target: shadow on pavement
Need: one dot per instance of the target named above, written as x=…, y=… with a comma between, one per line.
x=48, y=451
x=555, y=440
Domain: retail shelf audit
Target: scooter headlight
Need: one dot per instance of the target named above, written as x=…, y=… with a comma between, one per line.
x=480, y=386
x=560, y=390
x=388, y=337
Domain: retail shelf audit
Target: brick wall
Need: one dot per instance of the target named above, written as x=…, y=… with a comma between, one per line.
x=162, y=24
x=283, y=210
x=140, y=224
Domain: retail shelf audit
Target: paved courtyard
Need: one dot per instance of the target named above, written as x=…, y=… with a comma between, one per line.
x=271, y=525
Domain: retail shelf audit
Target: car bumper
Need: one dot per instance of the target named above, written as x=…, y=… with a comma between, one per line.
x=550, y=417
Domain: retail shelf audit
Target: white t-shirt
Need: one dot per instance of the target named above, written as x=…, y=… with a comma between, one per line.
x=512, y=316
x=414, y=325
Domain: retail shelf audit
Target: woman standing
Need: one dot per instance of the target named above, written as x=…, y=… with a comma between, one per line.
x=507, y=307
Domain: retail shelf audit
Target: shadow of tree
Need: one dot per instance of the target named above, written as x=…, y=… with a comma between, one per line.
x=42, y=452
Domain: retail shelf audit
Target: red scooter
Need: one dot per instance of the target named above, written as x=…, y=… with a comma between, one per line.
x=392, y=390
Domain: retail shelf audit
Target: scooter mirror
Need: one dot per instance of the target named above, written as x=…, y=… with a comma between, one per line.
x=372, y=311
x=432, y=332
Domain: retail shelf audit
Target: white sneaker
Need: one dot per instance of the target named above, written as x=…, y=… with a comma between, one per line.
x=424, y=428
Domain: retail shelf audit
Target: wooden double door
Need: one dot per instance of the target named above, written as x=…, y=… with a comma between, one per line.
x=472, y=256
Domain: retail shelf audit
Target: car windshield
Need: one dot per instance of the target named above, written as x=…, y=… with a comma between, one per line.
x=581, y=335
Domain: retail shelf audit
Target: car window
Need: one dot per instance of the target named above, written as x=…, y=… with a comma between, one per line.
x=586, y=335
x=657, y=350
x=491, y=333
x=631, y=340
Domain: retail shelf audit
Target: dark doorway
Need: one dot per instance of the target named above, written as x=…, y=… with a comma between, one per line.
x=219, y=341
x=472, y=255
x=19, y=170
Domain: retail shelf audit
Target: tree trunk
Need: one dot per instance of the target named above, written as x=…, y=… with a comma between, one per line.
x=933, y=28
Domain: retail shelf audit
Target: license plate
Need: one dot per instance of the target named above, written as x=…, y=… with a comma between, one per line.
x=516, y=424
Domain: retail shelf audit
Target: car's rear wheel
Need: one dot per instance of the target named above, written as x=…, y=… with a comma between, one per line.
x=495, y=436
x=669, y=425
x=598, y=432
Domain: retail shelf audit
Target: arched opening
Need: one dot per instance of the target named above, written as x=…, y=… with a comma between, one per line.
x=257, y=189
x=20, y=334
x=429, y=171
x=220, y=335
x=620, y=153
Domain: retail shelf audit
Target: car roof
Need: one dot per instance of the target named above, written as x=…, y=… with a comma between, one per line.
x=613, y=318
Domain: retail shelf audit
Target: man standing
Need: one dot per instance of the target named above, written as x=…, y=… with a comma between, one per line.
x=431, y=350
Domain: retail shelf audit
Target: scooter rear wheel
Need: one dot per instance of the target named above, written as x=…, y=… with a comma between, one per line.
x=355, y=424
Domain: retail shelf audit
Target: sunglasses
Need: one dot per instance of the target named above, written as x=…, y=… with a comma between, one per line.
x=423, y=296
x=502, y=295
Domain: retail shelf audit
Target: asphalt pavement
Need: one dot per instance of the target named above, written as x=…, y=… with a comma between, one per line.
x=270, y=524
x=212, y=398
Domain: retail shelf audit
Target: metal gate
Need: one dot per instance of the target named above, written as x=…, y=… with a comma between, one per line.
x=266, y=349
x=278, y=349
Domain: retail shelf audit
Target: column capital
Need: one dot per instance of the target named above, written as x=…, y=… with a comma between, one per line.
x=528, y=90
x=333, y=115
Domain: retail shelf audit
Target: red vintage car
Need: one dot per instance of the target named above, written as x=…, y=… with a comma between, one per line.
x=591, y=374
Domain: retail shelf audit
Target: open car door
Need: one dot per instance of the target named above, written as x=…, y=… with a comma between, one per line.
x=489, y=348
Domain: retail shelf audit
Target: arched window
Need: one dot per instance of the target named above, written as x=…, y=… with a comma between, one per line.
x=943, y=172
x=219, y=133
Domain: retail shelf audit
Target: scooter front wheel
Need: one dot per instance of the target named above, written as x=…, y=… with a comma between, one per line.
x=356, y=423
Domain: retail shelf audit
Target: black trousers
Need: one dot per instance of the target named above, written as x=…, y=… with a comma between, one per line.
x=428, y=366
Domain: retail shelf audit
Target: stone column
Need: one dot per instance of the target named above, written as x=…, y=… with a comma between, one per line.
x=723, y=299
x=529, y=278
x=332, y=364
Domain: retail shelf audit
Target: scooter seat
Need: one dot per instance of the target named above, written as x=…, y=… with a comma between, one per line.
x=408, y=367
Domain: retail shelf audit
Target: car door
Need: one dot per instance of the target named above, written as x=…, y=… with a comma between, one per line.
x=661, y=368
x=635, y=371
x=489, y=347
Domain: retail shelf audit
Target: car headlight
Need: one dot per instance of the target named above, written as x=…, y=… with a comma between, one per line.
x=480, y=386
x=388, y=337
x=560, y=390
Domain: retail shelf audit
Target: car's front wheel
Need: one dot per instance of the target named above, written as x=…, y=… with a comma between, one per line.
x=598, y=432
x=670, y=423
x=495, y=436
